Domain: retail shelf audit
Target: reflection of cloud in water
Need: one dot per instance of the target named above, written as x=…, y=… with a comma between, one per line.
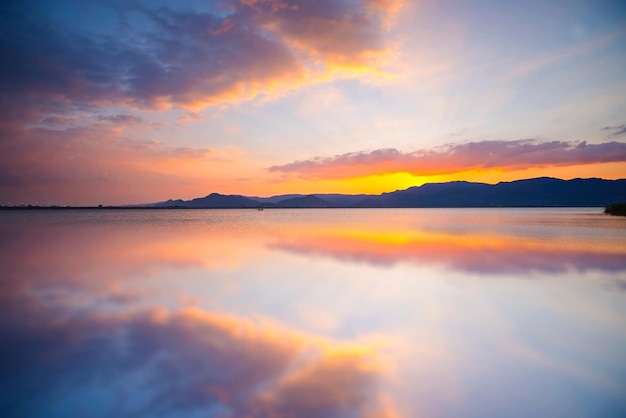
x=81, y=335
x=105, y=258
x=478, y=254
x=158, y=363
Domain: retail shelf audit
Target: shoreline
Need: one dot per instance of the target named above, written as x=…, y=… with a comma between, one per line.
x=97, y=208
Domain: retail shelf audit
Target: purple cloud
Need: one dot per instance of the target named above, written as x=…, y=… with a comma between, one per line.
x=179, y=57
x=120, y=119
x=519, y=154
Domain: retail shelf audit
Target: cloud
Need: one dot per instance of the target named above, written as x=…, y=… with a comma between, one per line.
x=73, y=78
x=518, y=154
x=191, y=116
x=619, y=130
x=170, y=56
x=121, y=119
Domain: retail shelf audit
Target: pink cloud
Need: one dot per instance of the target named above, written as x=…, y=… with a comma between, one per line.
x=519, y=154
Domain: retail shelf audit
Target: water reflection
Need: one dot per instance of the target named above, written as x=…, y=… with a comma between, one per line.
x=473, y=242
x=472, y=253
x=311, y=313
x=159, y=363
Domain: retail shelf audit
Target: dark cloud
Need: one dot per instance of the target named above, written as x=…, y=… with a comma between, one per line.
x=121, y=119
x=48, y=71
x=518, y=154
x=164, y=56
x=619, y=130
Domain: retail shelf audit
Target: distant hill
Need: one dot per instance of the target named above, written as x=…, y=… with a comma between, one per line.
x=537, y=192
x=310, y=201
x=335, y=200
x=275, y=199
x=214, y=200
x=344, y=200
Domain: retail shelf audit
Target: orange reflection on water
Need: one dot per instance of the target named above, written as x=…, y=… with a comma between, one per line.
x=491, y=250
x=105, y=256
x=98, y=297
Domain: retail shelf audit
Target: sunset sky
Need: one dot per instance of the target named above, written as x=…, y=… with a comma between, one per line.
x=113, y=102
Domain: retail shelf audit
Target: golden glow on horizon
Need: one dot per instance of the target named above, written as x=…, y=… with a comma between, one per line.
x=399, y=181
x=199, y=174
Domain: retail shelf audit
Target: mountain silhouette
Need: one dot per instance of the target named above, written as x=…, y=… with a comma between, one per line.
x=536, y=192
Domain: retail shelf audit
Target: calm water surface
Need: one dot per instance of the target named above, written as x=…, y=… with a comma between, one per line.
x=313, y=313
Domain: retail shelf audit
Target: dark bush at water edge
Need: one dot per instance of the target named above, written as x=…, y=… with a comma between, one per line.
x=618, y=209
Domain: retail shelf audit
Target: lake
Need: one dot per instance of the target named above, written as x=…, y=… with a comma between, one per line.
x=313, y=313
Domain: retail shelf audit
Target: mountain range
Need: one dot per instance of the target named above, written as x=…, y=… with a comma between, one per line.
x=536, y=192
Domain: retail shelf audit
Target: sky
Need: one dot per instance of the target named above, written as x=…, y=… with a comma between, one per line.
x=114, y=102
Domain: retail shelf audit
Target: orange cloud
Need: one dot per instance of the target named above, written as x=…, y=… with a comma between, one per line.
x=288, y=45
